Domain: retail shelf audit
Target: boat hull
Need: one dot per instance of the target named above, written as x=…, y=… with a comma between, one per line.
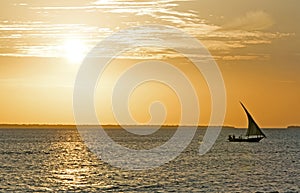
x=257, y=139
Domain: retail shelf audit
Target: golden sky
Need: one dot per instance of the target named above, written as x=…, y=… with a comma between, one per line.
x=255, y=43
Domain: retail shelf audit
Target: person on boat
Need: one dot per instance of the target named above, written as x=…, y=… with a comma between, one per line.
x=233, y=136
x=229, y=137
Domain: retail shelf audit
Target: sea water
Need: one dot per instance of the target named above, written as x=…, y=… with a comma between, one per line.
x=45, y=160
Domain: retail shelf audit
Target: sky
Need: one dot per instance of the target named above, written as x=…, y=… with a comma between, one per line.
x=255, y=44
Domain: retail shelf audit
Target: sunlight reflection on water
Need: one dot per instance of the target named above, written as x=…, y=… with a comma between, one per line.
x=57, y=160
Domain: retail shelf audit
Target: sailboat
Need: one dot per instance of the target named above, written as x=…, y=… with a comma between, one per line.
x=254, y=133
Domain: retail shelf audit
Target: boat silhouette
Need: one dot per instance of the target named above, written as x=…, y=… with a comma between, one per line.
x=254, y=133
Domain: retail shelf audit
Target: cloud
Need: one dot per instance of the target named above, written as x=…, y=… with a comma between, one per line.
x=44, y=39
x=239, y=58
x=41, y=39
x=252, y=21
x=161, y=10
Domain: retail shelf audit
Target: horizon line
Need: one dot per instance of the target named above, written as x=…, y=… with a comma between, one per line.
x=43, y=125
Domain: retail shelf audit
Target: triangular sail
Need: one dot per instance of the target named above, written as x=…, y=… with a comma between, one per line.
x=253, y=128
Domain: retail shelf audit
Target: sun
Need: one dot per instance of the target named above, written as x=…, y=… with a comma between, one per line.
x=74, y=50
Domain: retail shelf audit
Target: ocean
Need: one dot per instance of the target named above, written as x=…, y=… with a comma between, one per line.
x=56, y=160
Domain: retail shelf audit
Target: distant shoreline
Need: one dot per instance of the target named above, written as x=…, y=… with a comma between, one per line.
x=62, y=126
x=293, y=127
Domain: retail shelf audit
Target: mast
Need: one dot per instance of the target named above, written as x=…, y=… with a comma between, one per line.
x=253, y=128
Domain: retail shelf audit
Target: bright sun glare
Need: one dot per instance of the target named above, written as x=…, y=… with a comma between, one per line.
x=74, y=50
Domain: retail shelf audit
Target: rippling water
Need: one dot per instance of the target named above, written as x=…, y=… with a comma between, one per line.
x=56, y=160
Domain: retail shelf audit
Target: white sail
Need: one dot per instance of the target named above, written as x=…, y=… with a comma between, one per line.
x=253, y=128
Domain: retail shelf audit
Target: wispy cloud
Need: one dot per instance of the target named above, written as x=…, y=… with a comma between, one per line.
x=252, y=21
x=163, y=10
x=44, y=39
x=39, y=39
x=244, y=57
